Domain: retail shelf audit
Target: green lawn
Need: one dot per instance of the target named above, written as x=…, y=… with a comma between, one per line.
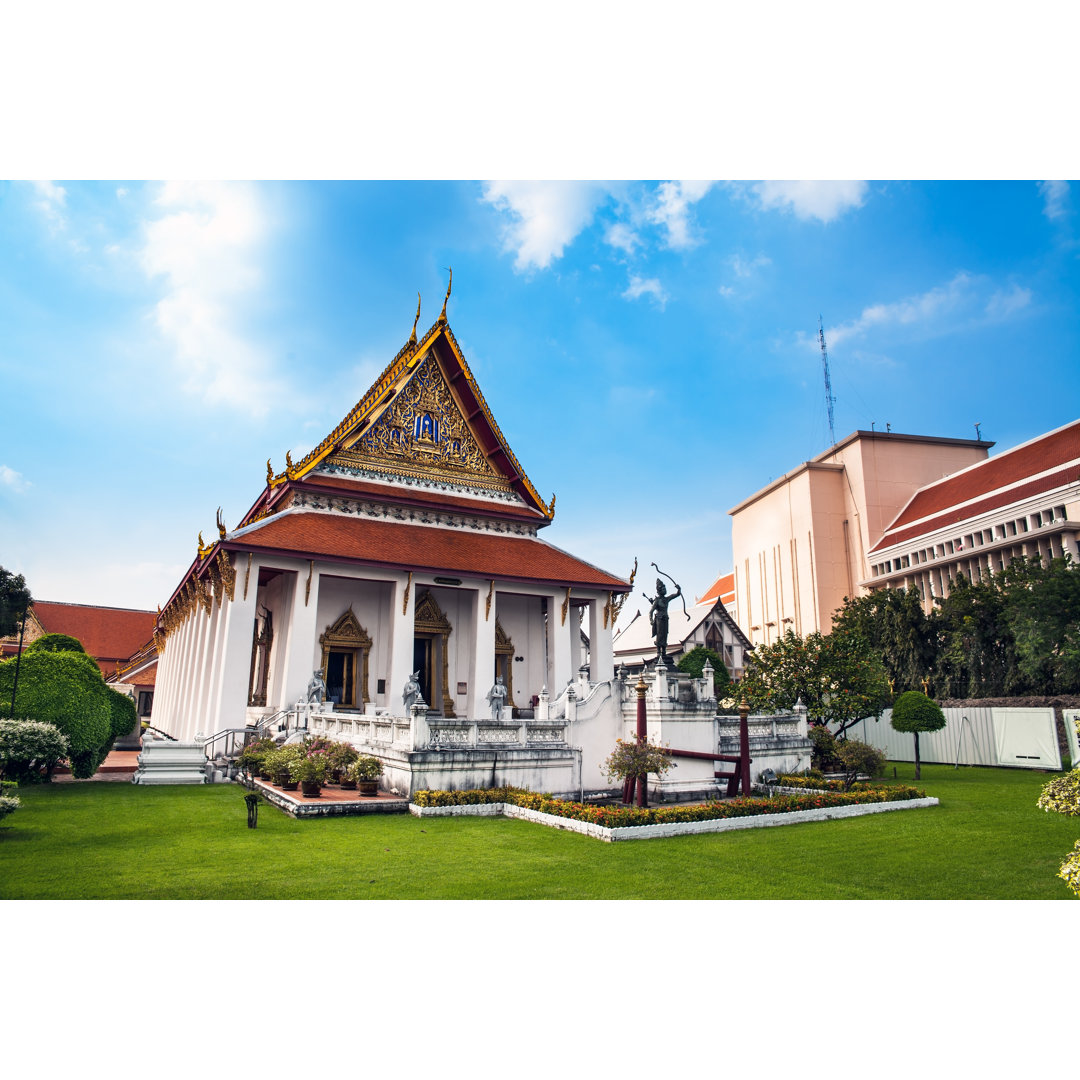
x=986, y=840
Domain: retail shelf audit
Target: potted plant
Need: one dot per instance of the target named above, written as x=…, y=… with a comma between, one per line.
x=341, y=756
x=366, y=770
x=282, y=761
x=250, y=759
x=310, y=770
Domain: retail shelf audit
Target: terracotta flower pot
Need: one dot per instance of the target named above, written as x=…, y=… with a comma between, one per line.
x=311, y=789
x=369, y=787
x=348, y=785
x=290, y=785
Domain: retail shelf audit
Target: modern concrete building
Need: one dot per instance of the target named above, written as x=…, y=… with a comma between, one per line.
x=802, y=544
x=1025, y=501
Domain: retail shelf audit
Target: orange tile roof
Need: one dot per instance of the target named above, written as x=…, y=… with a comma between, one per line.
x=106, y=633
x=420, y=547
x=723, y=588
x=986, y=486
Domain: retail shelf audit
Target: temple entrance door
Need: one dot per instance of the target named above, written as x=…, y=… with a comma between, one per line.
x=341, y=677
x=422, y=650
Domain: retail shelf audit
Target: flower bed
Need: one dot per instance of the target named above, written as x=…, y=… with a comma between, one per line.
x=619, y=817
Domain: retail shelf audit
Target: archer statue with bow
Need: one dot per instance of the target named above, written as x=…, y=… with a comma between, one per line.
x=658, y=613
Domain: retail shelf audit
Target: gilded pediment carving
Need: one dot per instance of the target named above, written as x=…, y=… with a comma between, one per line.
x=422, y=430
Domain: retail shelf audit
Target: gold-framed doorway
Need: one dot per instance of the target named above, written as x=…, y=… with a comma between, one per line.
x=430, y=622
x=504, y=663
x=348, y=637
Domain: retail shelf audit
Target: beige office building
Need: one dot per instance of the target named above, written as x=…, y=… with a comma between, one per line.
x=802, y=544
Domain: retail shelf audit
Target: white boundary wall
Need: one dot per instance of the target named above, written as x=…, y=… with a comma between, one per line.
x=1025, y=738
x=1071, y=716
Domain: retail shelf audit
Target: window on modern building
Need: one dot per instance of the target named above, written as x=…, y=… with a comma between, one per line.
x=1023, y=523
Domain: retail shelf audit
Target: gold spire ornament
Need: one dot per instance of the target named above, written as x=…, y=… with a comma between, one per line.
x=288, y=460
x=442, y=314
x=412, y=336
x=220, y=525
x=269, y=471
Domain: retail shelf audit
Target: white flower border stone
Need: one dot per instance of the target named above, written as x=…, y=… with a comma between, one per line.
x=673, y=828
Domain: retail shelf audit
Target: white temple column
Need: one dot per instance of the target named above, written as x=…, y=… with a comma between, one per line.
x=483, y=667
x=206, y=670
x=601, y=657
x=217, y=661
x=193, y=718
x=558, y=646
x=183, y=682
x=577, y=656
x=303, y=633
x=402, y=633
x=227, y=707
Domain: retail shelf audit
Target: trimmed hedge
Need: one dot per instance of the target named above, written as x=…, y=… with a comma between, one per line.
x=617, y=817
x=65, y=689
x=122, y=713
x=30, y=750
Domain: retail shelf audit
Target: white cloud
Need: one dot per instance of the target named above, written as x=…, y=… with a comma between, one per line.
x=9, y=478
x=545, y=216
x=825, y=200
x=964, y=302
x=121, y=192
x=206, y=246
x=726, y=290
x=674, y=198
x=1003, y=304
x=744, y=268
x=1055, y=195
x=639, y=287
x=621, y=236
x=51, y=201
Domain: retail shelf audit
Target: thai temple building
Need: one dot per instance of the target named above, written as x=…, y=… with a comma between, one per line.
x=391, y=589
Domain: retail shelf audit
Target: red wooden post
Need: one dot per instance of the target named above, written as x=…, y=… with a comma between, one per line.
x=744, y=746
x=642, y=736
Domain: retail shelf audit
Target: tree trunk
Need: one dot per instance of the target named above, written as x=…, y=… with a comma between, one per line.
x=918, y=769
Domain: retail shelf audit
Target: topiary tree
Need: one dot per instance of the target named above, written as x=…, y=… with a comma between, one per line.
x=858, y=758
x=65, y=689
x=122, y=713
x=693, y=663
x=55, y=643
x=915, y=712
x=29, y=750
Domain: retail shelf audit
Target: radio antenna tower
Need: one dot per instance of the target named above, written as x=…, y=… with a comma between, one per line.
x=829, y=399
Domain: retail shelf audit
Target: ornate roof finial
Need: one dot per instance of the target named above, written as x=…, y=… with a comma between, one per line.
x=202, y=546
x=288, y=460
x=412, y=336
x=269, y=471
x=220, y=525
x=442, y=314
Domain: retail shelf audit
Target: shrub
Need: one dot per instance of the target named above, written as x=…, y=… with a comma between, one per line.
x=859, y=757
x=29, y=749
x=632, y=758
x=65, y=689
x=824, y=755
x=55, y=643
x=123, y=715
x=693, y=663
x=9, y=801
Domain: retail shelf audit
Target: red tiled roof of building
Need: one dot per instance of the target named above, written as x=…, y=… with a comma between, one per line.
x=981, y=506
x=420, y=547
x=1010, y=467
x=397, y=493
x=106, y=633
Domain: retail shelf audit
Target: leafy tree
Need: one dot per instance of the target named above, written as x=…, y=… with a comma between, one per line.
x=915, y=712
x=65, y=689
x=122, y=714
x=693, y=663
x=633, y=759
x=976, y=651
x=838, y=677
x=1042, y=614
x=893, y=623
x=15, y=598
x=55, y=643
x=857, y=758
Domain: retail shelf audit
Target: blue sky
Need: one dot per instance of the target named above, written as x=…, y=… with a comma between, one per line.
x=648, y=348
